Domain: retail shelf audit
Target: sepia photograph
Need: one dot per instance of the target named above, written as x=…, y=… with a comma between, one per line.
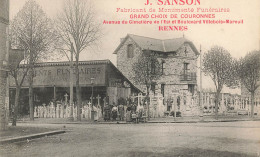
x=129, y=78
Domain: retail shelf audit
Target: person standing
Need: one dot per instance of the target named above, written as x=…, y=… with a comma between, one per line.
x=128, y=114
x=121, y=112
x=114, y=112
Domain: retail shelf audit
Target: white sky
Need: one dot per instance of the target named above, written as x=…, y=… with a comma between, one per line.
x=238, y=39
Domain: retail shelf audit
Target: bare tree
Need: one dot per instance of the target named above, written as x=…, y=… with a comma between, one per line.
x=18, y=73
x=32, y=31
x=220, y=66
x=249, y=74
x=77, y=28
x=147, y=70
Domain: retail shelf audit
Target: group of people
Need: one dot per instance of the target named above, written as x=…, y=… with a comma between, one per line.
x=130, y=112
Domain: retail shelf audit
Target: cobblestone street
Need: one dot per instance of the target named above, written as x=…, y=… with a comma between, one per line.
x=182, y=139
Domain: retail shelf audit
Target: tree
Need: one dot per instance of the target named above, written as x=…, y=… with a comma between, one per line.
x=249, y=74
x=77, y=28
x=147, y=70
x=220, y=66
x=18, y=73
x=32, y=31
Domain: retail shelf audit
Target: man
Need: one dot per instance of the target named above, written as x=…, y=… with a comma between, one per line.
x=114, y=112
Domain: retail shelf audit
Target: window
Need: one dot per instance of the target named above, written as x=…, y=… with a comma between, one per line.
x=186, y=67
x=185, y=71
x=162, y=89
x=191, y=88
x=130, y=51
x=153, y=87
x=185, y=50
x=163, y=67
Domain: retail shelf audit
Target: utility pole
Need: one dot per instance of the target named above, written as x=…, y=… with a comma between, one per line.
x=200, y=96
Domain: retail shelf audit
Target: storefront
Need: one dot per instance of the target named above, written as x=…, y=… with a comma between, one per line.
x=52, y=80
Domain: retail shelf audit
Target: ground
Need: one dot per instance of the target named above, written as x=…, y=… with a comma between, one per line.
x=174, y=139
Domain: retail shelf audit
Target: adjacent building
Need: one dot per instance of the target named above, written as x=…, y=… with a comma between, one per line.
x=4, y=23
x=177, y=57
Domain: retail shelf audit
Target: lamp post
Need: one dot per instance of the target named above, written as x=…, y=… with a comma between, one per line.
x=92, y=110
x=71, y=83
x=92, y=86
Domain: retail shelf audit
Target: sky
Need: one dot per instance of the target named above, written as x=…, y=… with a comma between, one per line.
x=237, y=39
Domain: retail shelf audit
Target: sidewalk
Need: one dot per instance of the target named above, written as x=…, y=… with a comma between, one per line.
x=30, y=136
x=23, y=133
x=204, y=119
x=168, y=119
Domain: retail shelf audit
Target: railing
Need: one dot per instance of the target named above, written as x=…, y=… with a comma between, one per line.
x=188, y=76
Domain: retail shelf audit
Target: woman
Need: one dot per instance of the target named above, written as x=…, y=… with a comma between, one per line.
x=128, y=114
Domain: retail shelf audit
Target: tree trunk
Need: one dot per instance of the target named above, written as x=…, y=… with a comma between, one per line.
x=16, y=103
x=31, y=94
x=216, y=104
x=78, y=92
x=252, y=103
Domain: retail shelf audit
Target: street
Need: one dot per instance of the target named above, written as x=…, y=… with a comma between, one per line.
x=178, y=139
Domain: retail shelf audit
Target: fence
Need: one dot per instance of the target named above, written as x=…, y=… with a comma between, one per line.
x=184, y=102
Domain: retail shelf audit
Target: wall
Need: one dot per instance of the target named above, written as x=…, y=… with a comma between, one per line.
x=124, y=64
x=4, y=21
x=173, y=66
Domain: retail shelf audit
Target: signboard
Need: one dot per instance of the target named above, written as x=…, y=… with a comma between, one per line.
x=60, y=76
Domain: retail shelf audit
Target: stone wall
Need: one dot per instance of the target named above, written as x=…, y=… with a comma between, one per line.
x=124, y=64
x=174, y=65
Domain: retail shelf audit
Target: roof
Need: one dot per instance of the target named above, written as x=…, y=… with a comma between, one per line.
x=91, y=62
x=159, y=45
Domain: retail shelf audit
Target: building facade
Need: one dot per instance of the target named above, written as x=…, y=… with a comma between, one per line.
x=177, y=57
x=4, y=22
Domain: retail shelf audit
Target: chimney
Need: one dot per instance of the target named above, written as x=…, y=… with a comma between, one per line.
x=121, y=39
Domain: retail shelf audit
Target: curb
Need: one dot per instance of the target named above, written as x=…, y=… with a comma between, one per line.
x=119, y=122
x=213, y=121
x=32, y=136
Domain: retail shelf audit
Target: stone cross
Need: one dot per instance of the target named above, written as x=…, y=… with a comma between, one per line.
x=89, y=103
x=98, y=98
x=133, y=97
x=139, y=97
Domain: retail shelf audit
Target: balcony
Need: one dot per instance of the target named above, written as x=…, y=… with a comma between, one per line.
x=190, y=77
